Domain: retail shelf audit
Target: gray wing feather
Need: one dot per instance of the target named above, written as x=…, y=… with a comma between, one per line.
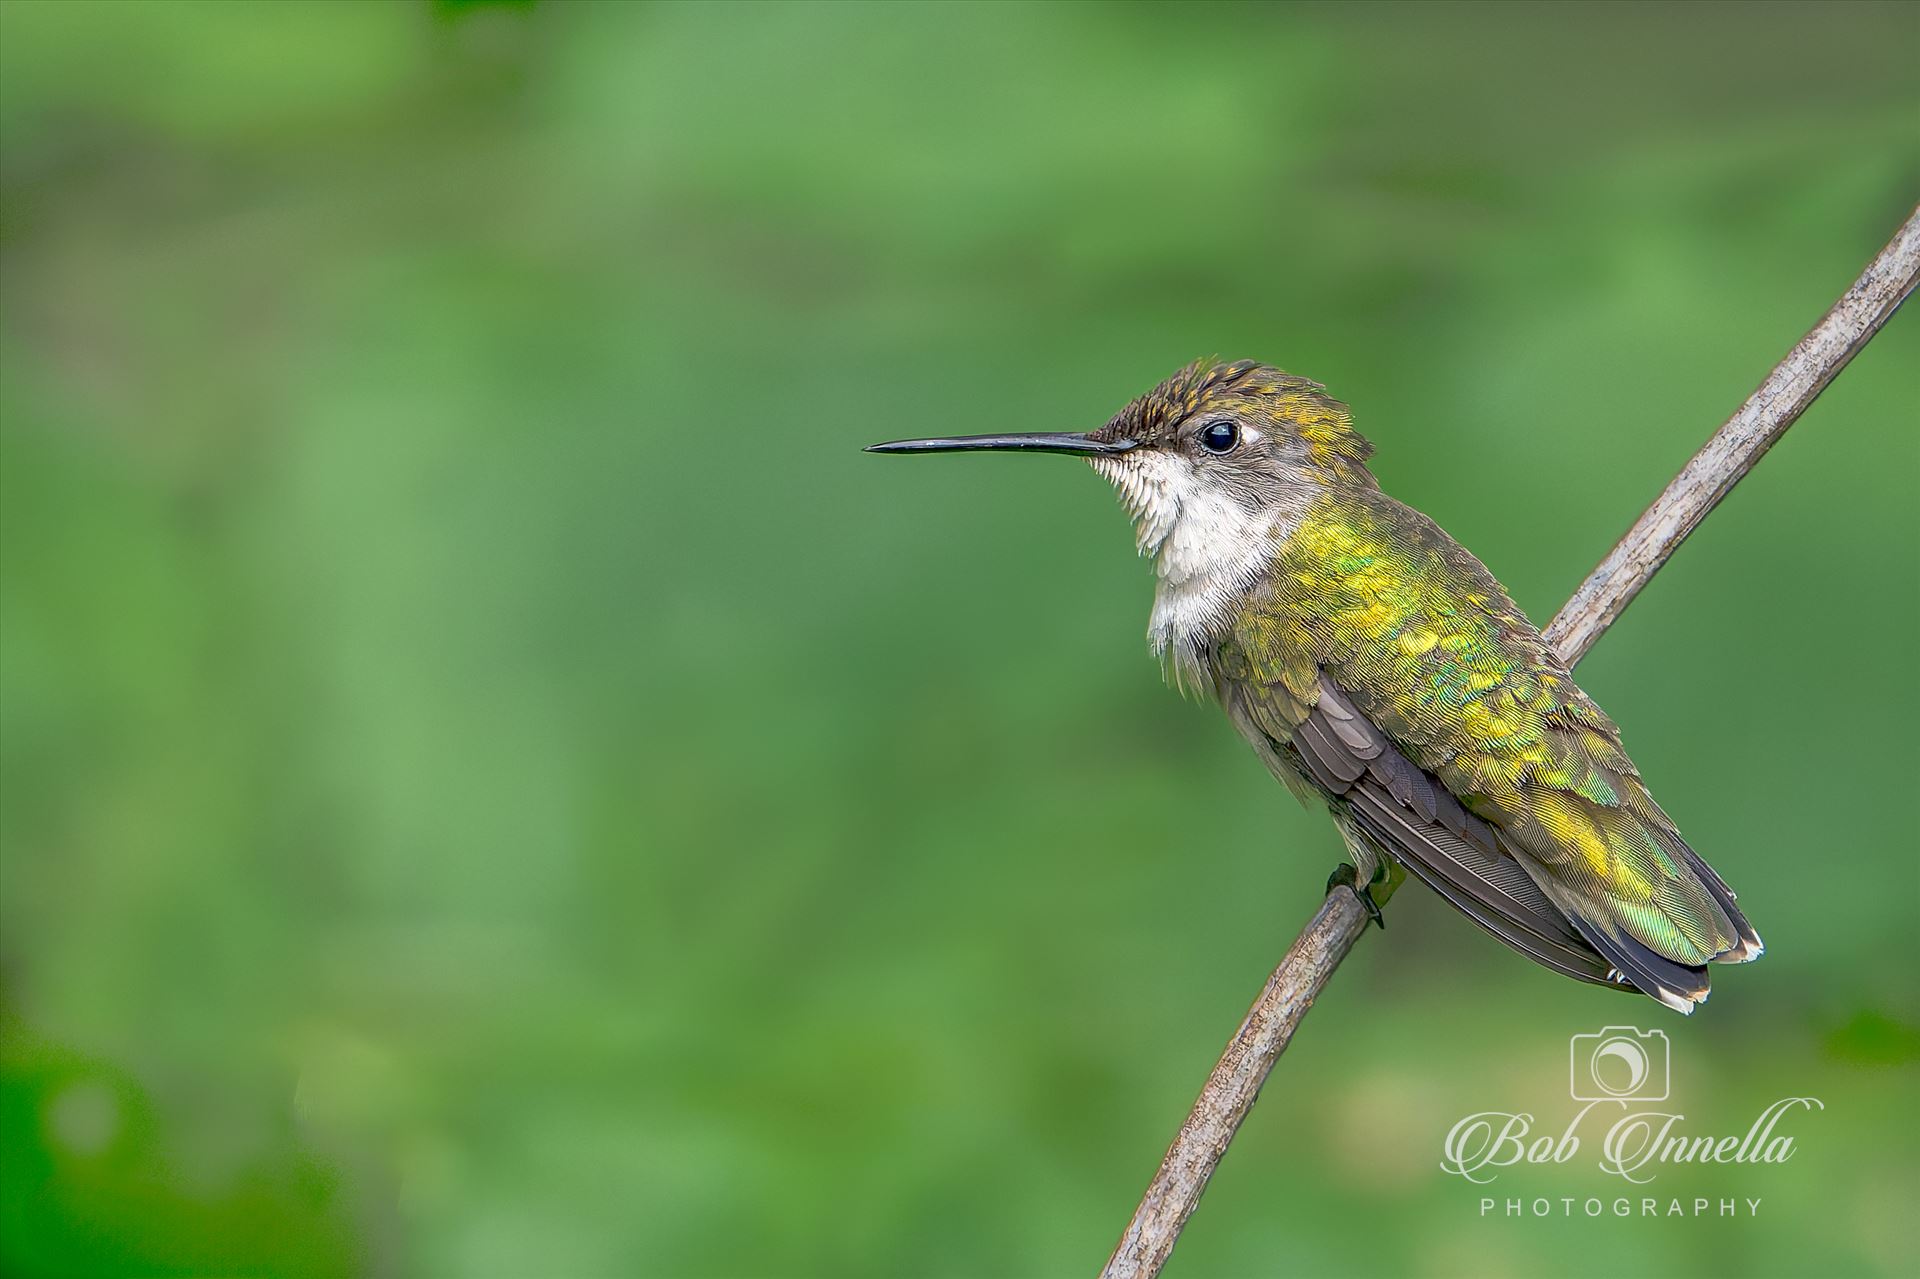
x=1425, y=828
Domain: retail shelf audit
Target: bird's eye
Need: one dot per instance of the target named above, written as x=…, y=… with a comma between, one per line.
x=1219, y=437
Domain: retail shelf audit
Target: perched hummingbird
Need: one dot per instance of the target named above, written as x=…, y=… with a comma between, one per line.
x=1377, y=667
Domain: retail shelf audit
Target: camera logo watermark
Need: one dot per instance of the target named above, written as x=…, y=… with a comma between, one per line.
x=1630, y=1068
x=1621, y=1063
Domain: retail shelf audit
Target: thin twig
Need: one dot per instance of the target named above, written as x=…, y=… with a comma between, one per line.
x=1310, y=962
x=1737, y=446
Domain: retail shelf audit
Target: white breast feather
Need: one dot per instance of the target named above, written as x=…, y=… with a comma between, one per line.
x=1208, y=550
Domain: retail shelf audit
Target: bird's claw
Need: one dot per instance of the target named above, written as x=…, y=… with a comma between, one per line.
x=1345, y=876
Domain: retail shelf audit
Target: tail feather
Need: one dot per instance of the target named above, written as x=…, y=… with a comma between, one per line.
x=1681, y=987
x=1749, y=946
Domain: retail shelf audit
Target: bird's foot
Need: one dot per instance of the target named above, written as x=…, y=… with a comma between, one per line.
x=1345, y=876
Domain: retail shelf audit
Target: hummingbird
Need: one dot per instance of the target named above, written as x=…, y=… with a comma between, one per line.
x=1377, y=668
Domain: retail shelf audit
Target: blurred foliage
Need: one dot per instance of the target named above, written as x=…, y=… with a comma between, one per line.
x=496, y=784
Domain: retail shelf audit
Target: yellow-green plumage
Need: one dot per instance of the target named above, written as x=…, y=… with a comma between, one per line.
x=1432, y=651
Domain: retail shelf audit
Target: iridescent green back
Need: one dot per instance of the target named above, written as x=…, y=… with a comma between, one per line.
x=1430, y=648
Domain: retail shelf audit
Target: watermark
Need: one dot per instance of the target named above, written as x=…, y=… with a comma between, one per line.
x=1621, y=1063
x=1630, y=1068
x=1573, y=1206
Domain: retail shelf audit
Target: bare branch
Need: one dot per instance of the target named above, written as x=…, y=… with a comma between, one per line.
x=1310, y=962
x=1234, y=1084
x=1738, y=445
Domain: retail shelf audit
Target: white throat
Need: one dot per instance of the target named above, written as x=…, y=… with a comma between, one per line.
x=1208, y=550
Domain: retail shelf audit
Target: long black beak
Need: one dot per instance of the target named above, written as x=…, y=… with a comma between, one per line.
x=1026, y=442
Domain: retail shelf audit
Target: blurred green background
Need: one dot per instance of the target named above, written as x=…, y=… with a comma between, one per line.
x=496, y=784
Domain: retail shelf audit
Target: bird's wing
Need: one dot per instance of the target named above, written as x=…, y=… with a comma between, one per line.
x=1374, y=601
x=1410, y=815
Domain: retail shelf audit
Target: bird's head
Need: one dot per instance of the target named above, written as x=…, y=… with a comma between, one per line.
x=1215, y=444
